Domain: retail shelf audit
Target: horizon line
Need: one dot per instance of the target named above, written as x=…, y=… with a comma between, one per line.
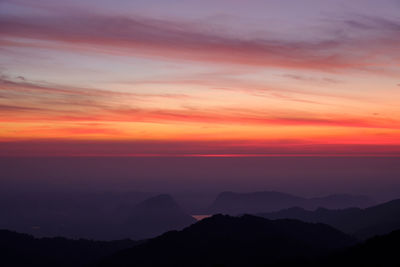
x=199, y=155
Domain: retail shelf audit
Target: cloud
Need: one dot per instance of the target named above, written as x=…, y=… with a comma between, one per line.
x=370, y=23
x=56, y=97
x=229, y=82
x=303, y=78
x=5, y=108
x=20, y=83
x=218, y=116
x=28, y=101
x=176, y=40
x=75, y=130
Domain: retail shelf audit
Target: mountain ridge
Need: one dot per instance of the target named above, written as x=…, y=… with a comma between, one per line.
x=266, y=201
x=17, y=249
x=242, y=241
x=363, y=223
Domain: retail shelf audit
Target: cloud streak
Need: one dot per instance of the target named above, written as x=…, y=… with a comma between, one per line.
x=63, y=109
x=204, y=117
x=22, y=94
x=174, y=40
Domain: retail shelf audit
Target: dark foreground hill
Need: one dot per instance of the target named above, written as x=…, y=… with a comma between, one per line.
x=217, y=241
x=24, y=250
x=380, y=251
x=235, y=241
x=363, y=223
x=239, y=203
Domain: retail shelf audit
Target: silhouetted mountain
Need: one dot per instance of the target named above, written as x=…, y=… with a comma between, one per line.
x=216, y=241
x=155, y=216
x=234, y=241
x=24, y=250
x=339, y=201
x=363, y=223
x=375, y=252
x=239, y=203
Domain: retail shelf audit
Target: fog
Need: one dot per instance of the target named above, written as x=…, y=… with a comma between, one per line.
x=202, y=177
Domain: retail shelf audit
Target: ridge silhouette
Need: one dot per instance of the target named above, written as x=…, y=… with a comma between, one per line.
x=217, y=241
x=374, y=252
x=266, y=201
x=18, y=249
x=363, y=223
x=234, y=241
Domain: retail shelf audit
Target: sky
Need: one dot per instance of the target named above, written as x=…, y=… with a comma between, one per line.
x=199, y=78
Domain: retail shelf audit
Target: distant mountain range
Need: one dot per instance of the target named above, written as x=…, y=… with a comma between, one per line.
x=88, y=215
x=235, y=241
x=136, y=215
x=363, y=223
x=256, y=202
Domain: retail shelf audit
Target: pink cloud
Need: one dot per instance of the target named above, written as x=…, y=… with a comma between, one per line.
x=174, y=40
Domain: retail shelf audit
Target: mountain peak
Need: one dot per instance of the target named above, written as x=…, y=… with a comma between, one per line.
x=155, y=216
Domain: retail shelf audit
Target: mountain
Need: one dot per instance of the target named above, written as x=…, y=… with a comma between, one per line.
x=155, y=216
x=216, y=241
x=234, y=241
x=24, y=250
x=364, y=223
x=339, y=201
x=375, y=252
x=90, y=215
x=256, y=202
x=100, y=216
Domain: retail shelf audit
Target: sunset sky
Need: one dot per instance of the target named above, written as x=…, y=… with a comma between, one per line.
x=200, y=78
